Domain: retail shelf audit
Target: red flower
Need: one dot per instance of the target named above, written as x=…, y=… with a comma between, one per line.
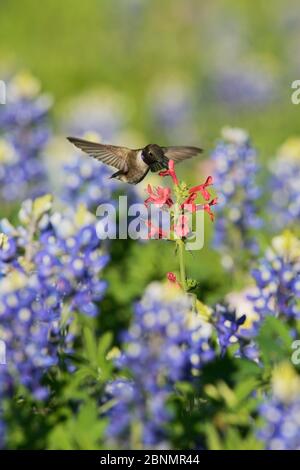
x=173, y=279
x=206, y=208
x=188, y=204
x=155, y=231
x=194, y=193
x=202, y=188
x=159, y=196
x=182, y=227
x=170, y=172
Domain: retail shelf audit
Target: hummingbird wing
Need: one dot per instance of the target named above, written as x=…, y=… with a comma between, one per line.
x=180, y=153
x=108, y=154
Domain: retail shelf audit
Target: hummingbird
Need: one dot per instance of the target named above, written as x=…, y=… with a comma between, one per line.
x=134, y=164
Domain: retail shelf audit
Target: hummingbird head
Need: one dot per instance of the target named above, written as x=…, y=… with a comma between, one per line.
x=153, y=153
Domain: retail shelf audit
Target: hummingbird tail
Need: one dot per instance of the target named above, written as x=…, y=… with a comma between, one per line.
x=116, y=174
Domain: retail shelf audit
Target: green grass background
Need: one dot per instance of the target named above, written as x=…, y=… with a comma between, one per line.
x=73, y=46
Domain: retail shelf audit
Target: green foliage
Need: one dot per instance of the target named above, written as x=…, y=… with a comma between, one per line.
x=274, y=340
x=82, y=431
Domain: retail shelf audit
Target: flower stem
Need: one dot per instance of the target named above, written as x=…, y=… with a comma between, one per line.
x=180, y=246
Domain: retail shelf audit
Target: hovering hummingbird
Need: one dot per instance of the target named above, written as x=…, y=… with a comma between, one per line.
x=133, y=165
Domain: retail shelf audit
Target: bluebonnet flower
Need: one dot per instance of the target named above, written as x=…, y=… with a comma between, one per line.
x=235, y=328
x=284, y=206
x=283, y=429
x=235, y=170
x=227, y=324
x=50, y=269
x=278, y=279
x=240, y=303
x=166, y=342
x=24, y=125
x=2, y=423
x=281, y=411
x=250, y=84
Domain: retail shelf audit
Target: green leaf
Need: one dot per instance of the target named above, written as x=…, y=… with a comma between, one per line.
x=233, y=439
x=82, y=431
x=104, y=345
x=90, y=345
x=213, y=439
x=274, y=341
x=246, y=369
x=245, y=388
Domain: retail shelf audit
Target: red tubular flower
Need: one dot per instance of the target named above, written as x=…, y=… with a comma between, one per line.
x=170, y=172
x=189, y=204
x=182, y=227
x=202, y=188
x=173, y=279
x=155, y=231
x=159, y=196
x=206, y=208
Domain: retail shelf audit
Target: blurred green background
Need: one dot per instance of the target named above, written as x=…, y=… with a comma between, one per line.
x=73, y=46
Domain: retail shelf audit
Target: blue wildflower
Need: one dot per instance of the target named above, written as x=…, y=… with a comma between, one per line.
x=227, y=324
x=278, y=279
x=51, y=264
x=284, y=206
x=165, y=343
x=235, y=170
x=24, y=125
x=233, y=329
x=249, y=84
x=281, y=411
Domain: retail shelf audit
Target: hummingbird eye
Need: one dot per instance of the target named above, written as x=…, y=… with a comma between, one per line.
x=150, y=154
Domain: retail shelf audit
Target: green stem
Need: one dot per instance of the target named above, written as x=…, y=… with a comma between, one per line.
x=180, y=246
